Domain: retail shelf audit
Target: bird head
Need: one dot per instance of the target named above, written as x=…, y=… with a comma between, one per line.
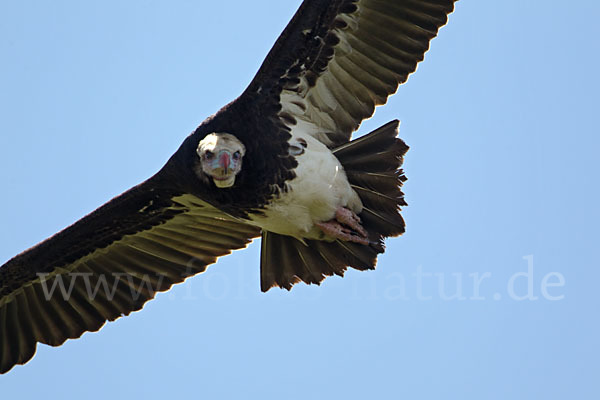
x=221, y=158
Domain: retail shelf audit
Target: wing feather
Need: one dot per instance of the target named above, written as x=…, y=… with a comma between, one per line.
x=107, y=265
x=336, y=60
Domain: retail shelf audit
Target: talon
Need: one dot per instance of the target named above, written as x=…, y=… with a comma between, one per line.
x=345, y=226
x=350, y=219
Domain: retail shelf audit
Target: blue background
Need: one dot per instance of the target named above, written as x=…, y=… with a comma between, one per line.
x=502, y=120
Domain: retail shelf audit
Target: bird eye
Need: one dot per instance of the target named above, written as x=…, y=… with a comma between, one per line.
x=237, y=155
x=209, y=155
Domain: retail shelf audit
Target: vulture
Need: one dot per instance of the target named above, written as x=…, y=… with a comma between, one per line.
x=277, y=163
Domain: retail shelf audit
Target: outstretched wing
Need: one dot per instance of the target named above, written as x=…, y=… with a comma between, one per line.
x=107, y=265
x=337, y=59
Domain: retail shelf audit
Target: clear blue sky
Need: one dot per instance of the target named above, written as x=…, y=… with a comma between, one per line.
x=502, y=120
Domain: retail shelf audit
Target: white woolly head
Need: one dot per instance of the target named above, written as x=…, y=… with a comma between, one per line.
x=221, y=158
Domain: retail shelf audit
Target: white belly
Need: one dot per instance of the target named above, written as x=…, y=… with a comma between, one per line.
x=319, y=188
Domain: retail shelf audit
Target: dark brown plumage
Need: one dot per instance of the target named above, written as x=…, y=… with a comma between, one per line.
x=335, y=61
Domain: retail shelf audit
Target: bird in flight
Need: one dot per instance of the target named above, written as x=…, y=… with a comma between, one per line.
x=275, y=163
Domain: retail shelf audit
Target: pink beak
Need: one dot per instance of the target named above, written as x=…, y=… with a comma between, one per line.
x=225, y=161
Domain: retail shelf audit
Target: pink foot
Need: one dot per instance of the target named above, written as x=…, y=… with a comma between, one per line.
x=345, y=226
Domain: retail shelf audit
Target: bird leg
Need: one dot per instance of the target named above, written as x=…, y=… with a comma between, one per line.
x=346, y=226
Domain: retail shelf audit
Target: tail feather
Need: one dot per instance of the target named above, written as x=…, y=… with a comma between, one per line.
x=388, y=224
x=383, y=182
x=286, y=261
x=372, y=164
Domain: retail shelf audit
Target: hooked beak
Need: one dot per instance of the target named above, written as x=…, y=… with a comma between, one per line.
x=223, y=173
x=225, y=161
